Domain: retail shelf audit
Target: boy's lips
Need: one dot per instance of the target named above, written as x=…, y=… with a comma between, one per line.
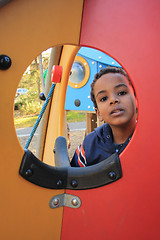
x=117, y=111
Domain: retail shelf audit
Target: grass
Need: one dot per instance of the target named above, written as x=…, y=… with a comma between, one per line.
x=29, y=121
x=23, y=122
x=76, y=116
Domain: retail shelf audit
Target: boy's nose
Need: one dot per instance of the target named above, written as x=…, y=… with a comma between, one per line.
x=114, y=101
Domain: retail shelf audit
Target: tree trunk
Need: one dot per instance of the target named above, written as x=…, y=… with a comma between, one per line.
x=38, y=78
x=41, y=72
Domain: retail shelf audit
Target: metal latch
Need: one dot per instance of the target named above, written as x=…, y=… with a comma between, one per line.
x=65, y=200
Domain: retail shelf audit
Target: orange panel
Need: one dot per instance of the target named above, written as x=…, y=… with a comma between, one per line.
x=128, y=209
x=27, y=28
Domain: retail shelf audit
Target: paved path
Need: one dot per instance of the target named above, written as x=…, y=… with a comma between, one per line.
x=75, y=126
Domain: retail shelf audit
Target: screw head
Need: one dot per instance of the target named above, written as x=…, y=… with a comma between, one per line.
x=28, y=172
x=74, y=183
x=74, y=202
x=112, y=175
x=59, y=183
x=55, y=202
x=5, y=62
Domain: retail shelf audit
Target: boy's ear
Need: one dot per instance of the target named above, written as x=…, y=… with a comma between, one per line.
x=99, y=115
x=136, y=103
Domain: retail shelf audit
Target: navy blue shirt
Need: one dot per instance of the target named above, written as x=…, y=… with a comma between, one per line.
x=96, y=147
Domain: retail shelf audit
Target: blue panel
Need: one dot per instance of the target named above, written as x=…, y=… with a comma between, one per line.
x=96, y=60
x=83, y=93
x=101, y=65
x=98, y=56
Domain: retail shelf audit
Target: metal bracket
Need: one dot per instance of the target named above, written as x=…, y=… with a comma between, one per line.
x=65, y=200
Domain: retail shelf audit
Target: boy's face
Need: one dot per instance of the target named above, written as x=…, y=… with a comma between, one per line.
x=115, y=100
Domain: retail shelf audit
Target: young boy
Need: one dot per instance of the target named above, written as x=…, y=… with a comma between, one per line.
x=115, y=103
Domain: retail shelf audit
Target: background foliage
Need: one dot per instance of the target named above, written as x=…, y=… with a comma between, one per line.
x=29, y=103
x=28, y=106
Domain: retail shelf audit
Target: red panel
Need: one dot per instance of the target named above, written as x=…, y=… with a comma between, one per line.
x=128, y=209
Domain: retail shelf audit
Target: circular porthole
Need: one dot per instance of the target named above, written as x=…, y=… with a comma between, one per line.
x=79, y=73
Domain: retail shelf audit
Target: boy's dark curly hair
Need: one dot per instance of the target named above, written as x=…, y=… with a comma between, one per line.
x=106, y=70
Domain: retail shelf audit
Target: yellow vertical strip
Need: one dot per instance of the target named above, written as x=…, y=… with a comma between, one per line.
x=56, y=119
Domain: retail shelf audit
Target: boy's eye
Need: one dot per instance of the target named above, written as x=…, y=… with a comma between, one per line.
x=121, y=93
x=103, y=99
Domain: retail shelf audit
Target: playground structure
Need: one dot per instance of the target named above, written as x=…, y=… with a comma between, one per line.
x=129, y=33
x=87, y=63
